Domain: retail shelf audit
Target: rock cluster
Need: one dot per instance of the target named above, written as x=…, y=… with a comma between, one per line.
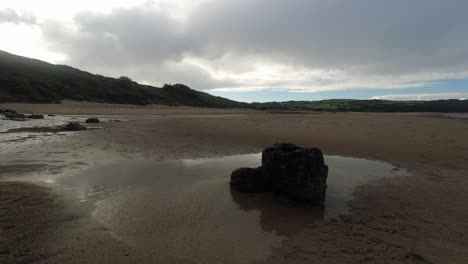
x=72, y=126
x=294, y=172
x=12, y=114
x=15, y=116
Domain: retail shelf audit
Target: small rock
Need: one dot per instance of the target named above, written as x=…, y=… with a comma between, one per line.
x=249, y=180
x=74, y=126
x=36, y=116
x=92, y=120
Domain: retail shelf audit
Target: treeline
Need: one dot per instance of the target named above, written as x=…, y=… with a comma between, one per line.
x=349, y=105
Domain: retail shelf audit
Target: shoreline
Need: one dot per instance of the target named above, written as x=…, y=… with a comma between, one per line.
x=397, y=220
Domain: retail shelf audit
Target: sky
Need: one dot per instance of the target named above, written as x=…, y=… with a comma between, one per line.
x=255, y=50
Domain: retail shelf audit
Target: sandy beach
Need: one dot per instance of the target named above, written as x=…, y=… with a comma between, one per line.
x=419, y=218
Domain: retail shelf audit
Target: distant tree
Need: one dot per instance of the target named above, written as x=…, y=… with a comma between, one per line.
x=125, y=82
x=125, y=79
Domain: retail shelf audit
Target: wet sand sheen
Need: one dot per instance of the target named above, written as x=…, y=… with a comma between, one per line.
x=184, y=210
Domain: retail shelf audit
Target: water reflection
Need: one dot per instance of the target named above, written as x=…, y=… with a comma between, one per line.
x=278, y=215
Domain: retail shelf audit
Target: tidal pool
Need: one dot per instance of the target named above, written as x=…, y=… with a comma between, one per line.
x=183, y=211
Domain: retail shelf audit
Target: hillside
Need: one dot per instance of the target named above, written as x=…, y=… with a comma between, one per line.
x=29, y=80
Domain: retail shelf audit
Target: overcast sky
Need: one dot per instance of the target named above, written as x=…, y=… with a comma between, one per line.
x=251, y=49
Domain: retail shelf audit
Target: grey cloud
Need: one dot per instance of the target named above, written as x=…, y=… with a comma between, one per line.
x=8, y=15
x=126, y=36
x=367, y=37
x=375, y=35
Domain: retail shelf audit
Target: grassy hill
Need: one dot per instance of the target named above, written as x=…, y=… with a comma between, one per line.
x=29, y=80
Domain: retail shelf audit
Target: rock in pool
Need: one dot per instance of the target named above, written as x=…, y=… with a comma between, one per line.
x=249, y=180
x=92, y=120
x=294, y=172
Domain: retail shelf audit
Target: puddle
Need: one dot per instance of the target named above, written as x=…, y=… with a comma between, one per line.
x=184, y=210
x=15, y=135
x=45, y=125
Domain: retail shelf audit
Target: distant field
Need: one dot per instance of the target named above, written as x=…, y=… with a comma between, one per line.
x=350, y=105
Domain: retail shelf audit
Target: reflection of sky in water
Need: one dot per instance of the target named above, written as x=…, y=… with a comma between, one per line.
x=186, y=208
x=16, y=139
x=11, y=141
x=48, y=121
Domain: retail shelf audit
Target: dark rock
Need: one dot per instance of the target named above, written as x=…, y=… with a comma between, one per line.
x=74, y=126
x=50, y=115
x=294, y=172
x=249, y=180
x=7, y=111
x=15, y=116
x=298, y=173
x=36, y=116
x=92, y=120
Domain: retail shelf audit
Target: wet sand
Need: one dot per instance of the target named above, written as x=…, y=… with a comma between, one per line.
x=416, y=219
